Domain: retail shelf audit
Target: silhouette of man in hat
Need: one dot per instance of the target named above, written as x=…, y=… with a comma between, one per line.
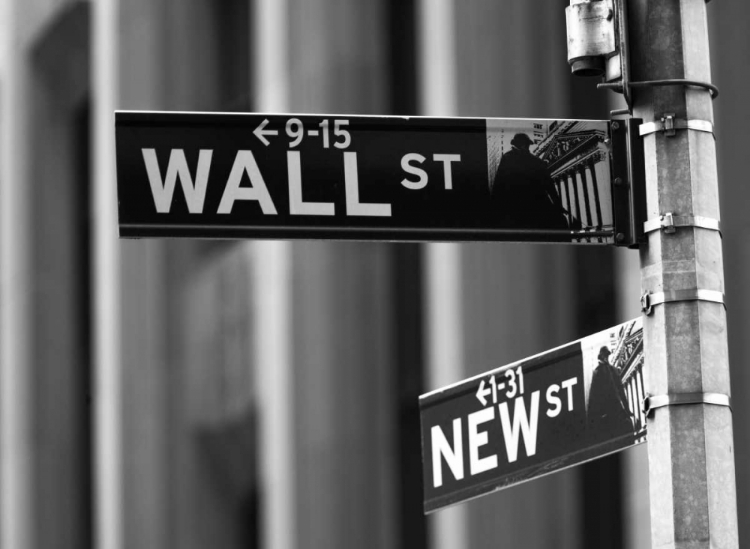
x=608, y=411
x=523, y=194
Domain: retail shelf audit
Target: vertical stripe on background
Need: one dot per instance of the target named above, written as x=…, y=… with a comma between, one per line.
x=106, y=315
x=272, y=281
x=443, y=315
x=16, y=450
x=270, y=29
x=436, y=65
x=636, y=510
x=110, y=469
x=272, y=290
x=436, y=57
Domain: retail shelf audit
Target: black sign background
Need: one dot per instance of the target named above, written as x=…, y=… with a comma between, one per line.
x=568, y=439
x=431, y=213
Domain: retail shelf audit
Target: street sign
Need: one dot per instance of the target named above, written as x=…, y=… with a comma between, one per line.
x=363, y=177
x=575, y=403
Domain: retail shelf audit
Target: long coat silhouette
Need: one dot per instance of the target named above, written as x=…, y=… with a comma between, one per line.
x=608, y=410
x=523, y=194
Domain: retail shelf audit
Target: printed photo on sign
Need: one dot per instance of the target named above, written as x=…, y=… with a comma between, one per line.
x=613, y=377
x=549, y=174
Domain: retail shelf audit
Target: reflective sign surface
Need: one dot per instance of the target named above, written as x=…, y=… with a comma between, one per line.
x=363, y=177
x=563, y=407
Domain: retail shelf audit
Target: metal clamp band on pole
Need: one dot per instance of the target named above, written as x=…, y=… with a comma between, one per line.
x=618, y=86
x=650, y=403
x=669, y=222
x=668, y=124
x=650, y=300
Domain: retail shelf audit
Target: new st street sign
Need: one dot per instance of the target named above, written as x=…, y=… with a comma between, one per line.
x=554, y=410
x=364, y=177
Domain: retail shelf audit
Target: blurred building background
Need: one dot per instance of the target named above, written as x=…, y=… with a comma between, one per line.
x=195, y=394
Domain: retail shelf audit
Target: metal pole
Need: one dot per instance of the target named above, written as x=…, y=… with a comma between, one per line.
x=691, y=456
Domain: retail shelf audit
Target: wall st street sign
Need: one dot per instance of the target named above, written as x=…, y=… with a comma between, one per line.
x=363, y=177
x=572, y=404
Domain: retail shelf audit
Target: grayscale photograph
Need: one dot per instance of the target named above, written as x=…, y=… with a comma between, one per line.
x=552, y=174
x=374, y=274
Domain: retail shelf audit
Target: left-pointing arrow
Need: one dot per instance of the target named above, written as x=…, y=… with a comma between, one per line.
x=261, y=134
x=482, y=393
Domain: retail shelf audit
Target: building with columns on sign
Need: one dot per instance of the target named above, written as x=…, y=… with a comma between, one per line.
x=627, y=358
x=264, y=394
x=574, y=153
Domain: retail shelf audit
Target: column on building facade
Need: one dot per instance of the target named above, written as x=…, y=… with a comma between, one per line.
x=151, y=472
x=576, y=195
x=340, y=402
x=560, y=190
x=581, y=174
x=185, y=375
x=44, y=327
x=591, y=165
x=638, y=402
x=180, y=329
x=108, y=380
x=515, y=298
x=443, y=276
x=18, y=506
x=629, y=392
x=269, y=82
x=573, y=193
x=641, y=395
x=633, y=398
x=568, y=201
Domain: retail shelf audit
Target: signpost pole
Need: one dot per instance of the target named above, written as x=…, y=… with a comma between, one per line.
x=691, y=456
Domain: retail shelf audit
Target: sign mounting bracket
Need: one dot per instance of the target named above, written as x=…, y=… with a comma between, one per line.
x=628, y=183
